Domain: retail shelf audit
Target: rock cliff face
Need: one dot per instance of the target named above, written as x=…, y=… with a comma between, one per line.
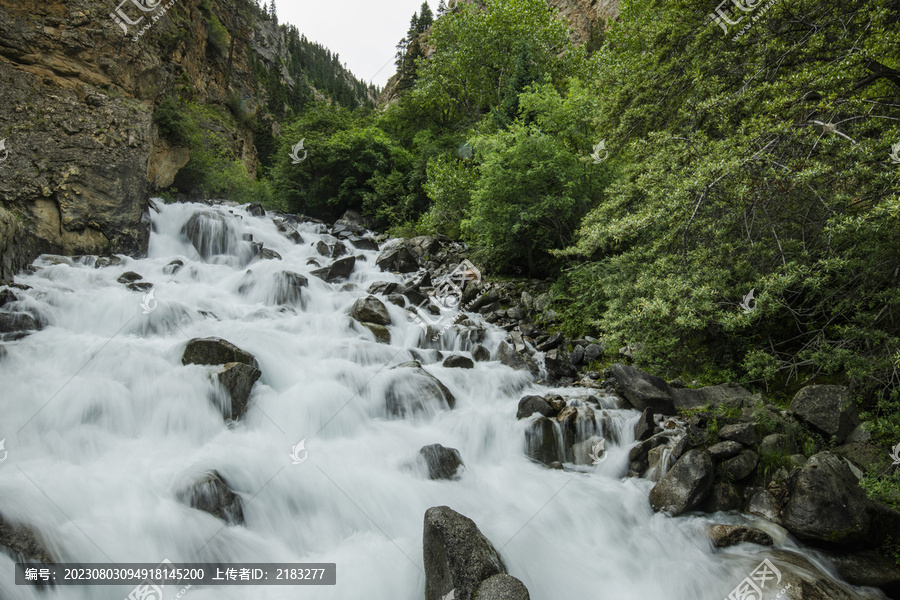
x=81, y=80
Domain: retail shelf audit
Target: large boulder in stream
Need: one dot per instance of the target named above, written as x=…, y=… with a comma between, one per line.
x=415, y=390
x=397, y=258
x=502, y=587
x=685, y=485
x=336, y=271
x=210, y=233
x=20, y=542
x=212, y=495
x=642, y=390
x=370, y=310
x=237, y=375
x=442, y=462
x=457, y=555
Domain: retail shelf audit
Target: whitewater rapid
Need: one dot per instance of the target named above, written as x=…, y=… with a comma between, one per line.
x=104, y=425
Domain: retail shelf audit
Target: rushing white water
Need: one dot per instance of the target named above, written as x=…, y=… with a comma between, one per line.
x=104, y=425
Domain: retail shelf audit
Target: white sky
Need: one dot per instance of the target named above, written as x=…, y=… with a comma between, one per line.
x=363, y=33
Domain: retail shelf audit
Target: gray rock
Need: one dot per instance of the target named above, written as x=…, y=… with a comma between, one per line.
x=762, y=504
x=739, y=467
x=480, y=353
x=336, y=271
x=256, y=209
x=515, y=313
x=398, y=258
x=384, y=287
x=643, y=429
x=215, y=351
x=577, y=355
x=129, y=277
x=211, y=494
x=238, y=379
x=502, y=587
x=558, y=366
x=287, y=287
x=413, y=388
x=685, y=485
x=458, y=362
x=22, y=543
x=363, y=243
x=643, y=390
x=382, y=333
x=592, y=352
x=322, y=248
x=520, y=362
x=534, y=404
x=210, y=233
x=543, y=441
x=397, y=300
x=812, y=512
x=723, y=497
x=724, y=450
x=370, y=310
x=731, y=395
x=338, y=250
x=745, y=433
x=776, y=443
x=442, y=462
x=554, y=341
x=827, y=409
x=457, y=556
x=868, y=568
x=139, y=286
x=724, y=536
x=267, y=254
x=12, y=322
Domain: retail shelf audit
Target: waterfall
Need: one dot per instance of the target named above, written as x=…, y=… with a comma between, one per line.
x=105, y=427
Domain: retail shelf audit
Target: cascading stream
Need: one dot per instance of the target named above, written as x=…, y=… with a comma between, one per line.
x=104, y=426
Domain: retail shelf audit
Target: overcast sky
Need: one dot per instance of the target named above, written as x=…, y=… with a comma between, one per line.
x=364, y=33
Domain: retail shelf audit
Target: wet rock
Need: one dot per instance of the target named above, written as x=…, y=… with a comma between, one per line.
x=382, y=334
x=643, y=429
x=458, y=362
x=339, y=249
x=129, y=277
x=685, y=485
x=541, y=441
x=744, y=433
x=577, y=356
x=723, y=497
x=256, y=209
x=556, y=401
x=322, y=248
x=397, y=300
x=288, y=286
x=643, y=390
x=22, y=543
x=363, y=243
x=739, y=467
x=413, y=389
x=813, y=514
x=480, y=353
x=869, y=568
x=457, y=556
x=725, y=450
x=763, y=504
x=7, y=296
x=238, y=379
x=107, y=261
x=558, y=366
x=15, y=322
x=534, y=404
x=173, y=267
x=210, y=233
x=592, y=352
x=515, y=313
x=215, y=351
x=520, y=362
x=397, y=259
x=212, y=495
x=502, y=587
x=442, y=462
x=336, y=271
x=370, y=310
x=724, y=536
x=266, y=254
x=139, y=286
x=826, y=408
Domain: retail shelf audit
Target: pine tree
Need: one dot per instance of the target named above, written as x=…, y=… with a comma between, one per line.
x=272, y=12
x=413, y=27
x=426, y=18
x=442, y=8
